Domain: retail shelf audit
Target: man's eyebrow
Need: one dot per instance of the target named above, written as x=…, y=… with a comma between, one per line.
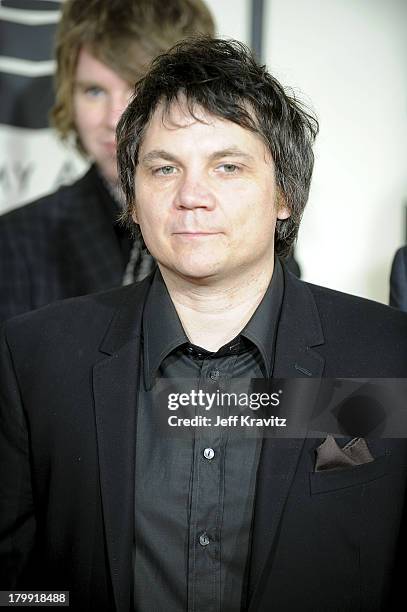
x=162, y=154
x=87, y=83
x=231, y=152
x=158, y=154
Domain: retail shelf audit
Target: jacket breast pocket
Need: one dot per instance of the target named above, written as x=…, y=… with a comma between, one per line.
x=332, y=480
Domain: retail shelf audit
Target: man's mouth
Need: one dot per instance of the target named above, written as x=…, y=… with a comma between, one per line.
x=195, y=234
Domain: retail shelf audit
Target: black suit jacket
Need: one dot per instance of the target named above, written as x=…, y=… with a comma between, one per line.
x=60, y=246
x=398, y=280
x=68, y=397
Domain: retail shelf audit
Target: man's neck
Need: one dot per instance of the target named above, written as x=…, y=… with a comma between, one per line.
x=212, y=314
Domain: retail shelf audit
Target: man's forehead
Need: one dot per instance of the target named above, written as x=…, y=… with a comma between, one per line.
x=178, y=115
x=91, y=68
x=210, y=137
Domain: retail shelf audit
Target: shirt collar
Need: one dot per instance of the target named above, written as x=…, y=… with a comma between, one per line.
x=262, y=327
x=162, y=328
x=163, y=331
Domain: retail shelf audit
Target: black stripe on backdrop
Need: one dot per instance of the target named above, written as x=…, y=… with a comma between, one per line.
x=25, y=101
x=32, y=5
x=34, y=43
x=256, y=31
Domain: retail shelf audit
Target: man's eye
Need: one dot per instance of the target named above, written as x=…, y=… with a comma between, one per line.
x=165, y=170
x=229, y=168
x=94, y=91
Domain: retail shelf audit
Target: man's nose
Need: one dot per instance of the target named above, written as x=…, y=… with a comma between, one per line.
x=194, y=192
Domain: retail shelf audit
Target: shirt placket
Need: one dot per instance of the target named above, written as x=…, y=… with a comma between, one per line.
x=207, y=493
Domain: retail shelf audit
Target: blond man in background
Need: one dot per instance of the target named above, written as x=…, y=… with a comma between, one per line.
x=70, y=243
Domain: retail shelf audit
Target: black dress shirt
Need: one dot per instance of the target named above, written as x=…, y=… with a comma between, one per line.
x=194, y=496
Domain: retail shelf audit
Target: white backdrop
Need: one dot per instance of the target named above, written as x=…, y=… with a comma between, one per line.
x=350, y=59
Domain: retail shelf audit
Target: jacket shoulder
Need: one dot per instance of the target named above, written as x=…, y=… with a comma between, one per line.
x=343, y=309
x=50, y=207
x=80, y=321
x=401, y=254
x=72, y=313
x=398, y=280
x=362, y=330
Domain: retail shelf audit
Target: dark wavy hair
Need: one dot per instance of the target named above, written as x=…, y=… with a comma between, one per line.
x=224, y=78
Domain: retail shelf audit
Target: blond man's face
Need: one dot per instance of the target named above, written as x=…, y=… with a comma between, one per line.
x=100, y=97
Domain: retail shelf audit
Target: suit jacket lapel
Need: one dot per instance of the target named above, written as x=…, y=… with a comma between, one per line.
x=299, y=330
x=115, y=385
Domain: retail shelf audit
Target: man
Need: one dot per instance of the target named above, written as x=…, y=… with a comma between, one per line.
x=100, y=498
x=398, y=280
x=70, y=243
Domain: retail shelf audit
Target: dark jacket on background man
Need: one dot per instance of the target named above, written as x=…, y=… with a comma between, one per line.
x=66, y=244
x=68, y=409
x=398, y=280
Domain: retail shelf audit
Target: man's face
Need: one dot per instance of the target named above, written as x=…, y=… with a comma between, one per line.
x=100, y=97
x=206, y=198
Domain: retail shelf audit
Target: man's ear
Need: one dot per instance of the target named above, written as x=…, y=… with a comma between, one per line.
x=283, y=211
x=134, y=214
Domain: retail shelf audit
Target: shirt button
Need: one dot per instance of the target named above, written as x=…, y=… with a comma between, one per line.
x=203, y=539
x=209, y=453
x=214, y=374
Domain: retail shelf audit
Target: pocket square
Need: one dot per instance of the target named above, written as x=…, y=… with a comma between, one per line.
x=331, y=457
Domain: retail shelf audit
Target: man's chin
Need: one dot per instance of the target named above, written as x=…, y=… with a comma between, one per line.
x=196, y=274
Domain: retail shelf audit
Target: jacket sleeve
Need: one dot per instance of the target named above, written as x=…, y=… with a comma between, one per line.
x=398, y=280
x=17, y=522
